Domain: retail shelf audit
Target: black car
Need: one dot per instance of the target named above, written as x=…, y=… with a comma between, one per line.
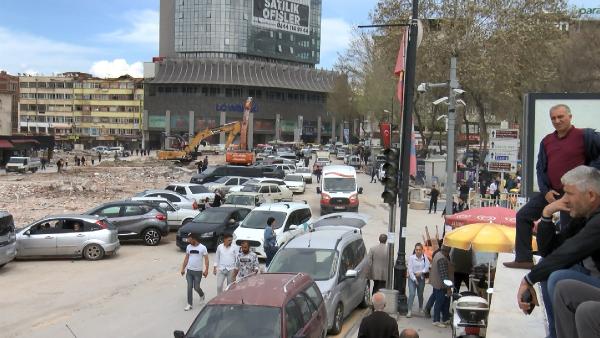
x=211, y=225
x=212, y=174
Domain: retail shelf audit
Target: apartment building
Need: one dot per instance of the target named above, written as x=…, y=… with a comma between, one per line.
x=79, y=108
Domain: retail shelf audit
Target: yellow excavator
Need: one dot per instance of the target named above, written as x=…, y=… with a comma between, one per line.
x=187, y=154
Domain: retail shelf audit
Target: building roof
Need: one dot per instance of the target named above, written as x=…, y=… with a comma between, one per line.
x=243, y=73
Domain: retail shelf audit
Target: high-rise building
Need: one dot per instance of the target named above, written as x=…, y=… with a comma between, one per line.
x=9, y=100
x=215, y=53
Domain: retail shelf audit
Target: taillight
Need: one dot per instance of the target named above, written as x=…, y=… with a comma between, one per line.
x=102, y=224
x=325, y=198
x=473, y=330
x=161, y=217
x=195, y=205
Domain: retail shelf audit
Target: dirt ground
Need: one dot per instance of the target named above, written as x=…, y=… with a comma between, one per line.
x=29, y=197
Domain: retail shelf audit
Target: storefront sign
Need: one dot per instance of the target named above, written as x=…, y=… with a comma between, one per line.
x=234, y=107
x=156, y=121
x=288, y=15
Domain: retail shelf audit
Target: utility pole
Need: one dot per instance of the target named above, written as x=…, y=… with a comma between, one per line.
x=450, y=165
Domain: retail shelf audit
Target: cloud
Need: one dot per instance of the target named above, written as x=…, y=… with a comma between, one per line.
x=116, y=68
x=143, y=28
x=24, y=52
x=336, y=35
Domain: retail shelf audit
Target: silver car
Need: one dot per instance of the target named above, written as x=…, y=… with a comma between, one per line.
x=90, y=237
x=8, y=244
x=176, y=216
x=335, y=257
x=173, y=197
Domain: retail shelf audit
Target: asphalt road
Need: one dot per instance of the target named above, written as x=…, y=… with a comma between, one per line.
x=139, y=292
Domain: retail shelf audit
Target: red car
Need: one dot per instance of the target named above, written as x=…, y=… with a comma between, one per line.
x=268, y=305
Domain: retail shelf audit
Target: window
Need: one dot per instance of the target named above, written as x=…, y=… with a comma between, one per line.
x=305, y=307
x=293, y=318
x=347, y=261
x=135, y=210
x=264, y=190
x=315, y=295
x=110, y=211
x=275, y=189
x=180, y=190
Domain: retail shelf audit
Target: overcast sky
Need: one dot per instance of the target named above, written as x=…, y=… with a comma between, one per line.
x=114, y=37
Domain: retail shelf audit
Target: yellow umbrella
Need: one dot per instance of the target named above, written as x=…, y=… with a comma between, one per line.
x=487, y=237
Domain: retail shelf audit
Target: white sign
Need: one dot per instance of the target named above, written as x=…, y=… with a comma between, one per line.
x=504, y=134
x=288, y=15
x=510, y=156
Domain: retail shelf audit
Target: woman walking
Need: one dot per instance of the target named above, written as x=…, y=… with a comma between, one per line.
x=418, y=266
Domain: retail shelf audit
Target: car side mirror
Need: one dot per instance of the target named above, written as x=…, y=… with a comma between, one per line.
x=178, y=334
x=318, y=190
x=163, y=205
x=489, y=291
x=360, y=190
x=27, y=233
x=293, y=227
x=351, y=273
x=231, y=221
x=448, y=283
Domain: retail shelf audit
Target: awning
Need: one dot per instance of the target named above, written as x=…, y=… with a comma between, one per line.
x=25, y=141
x=4, y=144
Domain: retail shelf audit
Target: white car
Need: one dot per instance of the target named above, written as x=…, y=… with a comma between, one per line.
x=306, y=173
x=287, y=168
x=191, y=190
x=341, y=154
x=291, y=219
x=295, y=183
x=256, y=180
x=270, y=192
x=249, y=200
x=176, y=216
x=225, y=183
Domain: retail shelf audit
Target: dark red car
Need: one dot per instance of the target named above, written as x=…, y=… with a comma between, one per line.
x=268, y=305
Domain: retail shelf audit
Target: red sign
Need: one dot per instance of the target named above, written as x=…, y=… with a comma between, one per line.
x=386, y=134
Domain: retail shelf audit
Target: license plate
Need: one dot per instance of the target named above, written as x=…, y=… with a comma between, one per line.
x=339, y=208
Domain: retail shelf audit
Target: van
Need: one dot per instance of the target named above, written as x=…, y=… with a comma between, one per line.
x=8, y=238
x=338, y=189
x=214, y=173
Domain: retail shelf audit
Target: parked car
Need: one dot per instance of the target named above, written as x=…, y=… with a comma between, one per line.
x=90, y=237
x=176, y=216
x=134, y=220
x=295, y=183
x=211, y=225
x=270, y=191
x=248, y=200
x=258, y=180
x=225, y=183
x=8, y=238
x=173, y=197
x=306, y=174
x=267, y=305
x=341, y=153
x=291, y=219
x=214, y=173
x=193, y=191
x=335, y=257
x=23, y=164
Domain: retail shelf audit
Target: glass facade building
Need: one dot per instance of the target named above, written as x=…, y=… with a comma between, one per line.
x=248, y=29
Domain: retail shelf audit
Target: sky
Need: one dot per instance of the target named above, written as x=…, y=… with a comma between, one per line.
x=113, y=37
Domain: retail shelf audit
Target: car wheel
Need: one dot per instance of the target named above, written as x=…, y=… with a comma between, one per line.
x=151, y=236
x=366, y=301
x=93, y=252
x=338, y=319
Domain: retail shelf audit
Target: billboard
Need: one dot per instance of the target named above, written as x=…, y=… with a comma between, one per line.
x=288, y=15
x=585, y=108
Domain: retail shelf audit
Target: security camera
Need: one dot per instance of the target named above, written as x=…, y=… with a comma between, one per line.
x=440, y=100
x=422, y=88
x=459, y=91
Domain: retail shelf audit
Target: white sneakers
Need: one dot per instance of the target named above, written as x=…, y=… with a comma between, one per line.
x=440, y=325
x=187, y=308
x=409, y=314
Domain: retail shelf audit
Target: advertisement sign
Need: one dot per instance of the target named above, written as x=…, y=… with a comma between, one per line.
x=156, y=121
x=501, y=166
x=386, y=135
x=288, y=15
x=347, y=135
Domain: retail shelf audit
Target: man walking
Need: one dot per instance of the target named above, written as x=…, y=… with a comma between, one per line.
x=373, y=174
x=225, y=262
x=318, y=173
x=246, y=262
x=378, y=324
x=433, y=199
x=192, y=268
x=564, y=149
x=378, y=263
x=441, y=270
x=270, y=240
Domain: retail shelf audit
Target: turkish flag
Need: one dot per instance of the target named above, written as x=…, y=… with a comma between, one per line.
x=400, y=68
x=386, y=134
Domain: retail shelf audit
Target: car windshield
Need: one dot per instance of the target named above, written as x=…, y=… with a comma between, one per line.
x=322, y=159
x=239, y=199
x=198, y=189
x=257, y=219
x=296, y=178
x=236, y=321
x=222, y=179
x=16, y=160
x=318, y=263
x=339, y=184
x=211, y=216
x=251, y=188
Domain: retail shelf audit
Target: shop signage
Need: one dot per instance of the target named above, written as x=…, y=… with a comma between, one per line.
x=288, y=15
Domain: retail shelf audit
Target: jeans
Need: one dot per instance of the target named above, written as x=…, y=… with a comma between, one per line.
x=223, y=275
x=415, y=287
x=193, y=283
x=430, y=303
x=270, y=252
x=433, y=204
x=529, y=213
x=577, y=306
x=442, y=305
x=576, y=272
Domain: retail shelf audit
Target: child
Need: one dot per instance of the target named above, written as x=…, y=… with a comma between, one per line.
x=192, y=268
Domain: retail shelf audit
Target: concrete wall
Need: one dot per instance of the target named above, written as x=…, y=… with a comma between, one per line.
x=5, y=114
